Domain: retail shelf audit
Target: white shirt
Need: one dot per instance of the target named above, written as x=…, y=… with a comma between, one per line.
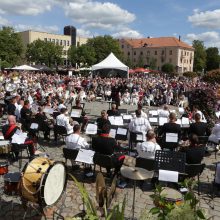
x=147, y=149
x=63, y=120
x=60, y=106
x=164, y=113
x=139, y=124
x=74, y=141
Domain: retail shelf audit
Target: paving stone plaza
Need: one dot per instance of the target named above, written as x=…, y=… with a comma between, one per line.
x=71, y=203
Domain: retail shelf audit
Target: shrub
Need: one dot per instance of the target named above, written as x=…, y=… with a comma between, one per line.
x=190, y=74
x=212, y=76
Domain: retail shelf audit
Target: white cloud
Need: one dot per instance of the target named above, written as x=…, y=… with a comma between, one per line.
x=210, y=39
x=127, y=33
x=49, y=29
x=83, y=33
x=4, y=22
x=207, y=19
x=25, y=7
x=97, y=15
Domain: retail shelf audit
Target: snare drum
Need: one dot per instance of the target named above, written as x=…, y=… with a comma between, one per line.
x=11, y=183
x=43, y=181
x=3, y=168
x=171, y=195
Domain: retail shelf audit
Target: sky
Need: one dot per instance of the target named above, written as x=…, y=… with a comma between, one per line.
x=190, y=19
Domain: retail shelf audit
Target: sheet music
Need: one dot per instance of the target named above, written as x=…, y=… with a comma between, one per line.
x=185, y=122
x=153, y=112
x=139, y=137
x=178, y=121
x=162, y=121
x=19, y=138
x=34, y=126
x=118, y=120
x=85, y=156
x=76, y=113
x=217, y=114
x=91, y=129
x=154, y=120
x=112, y=133
x=167, y=175
x=48, y=110
x=172, y=137
x=3, y=143
x=1, y=137
x=122, y=131
x=127, y=117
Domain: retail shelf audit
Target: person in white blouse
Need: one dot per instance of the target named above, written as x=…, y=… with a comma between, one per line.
x=148, y=148
x=139, y=124
x=75, y=141
x=63, y=120
x=215, y=135
x=164, y=112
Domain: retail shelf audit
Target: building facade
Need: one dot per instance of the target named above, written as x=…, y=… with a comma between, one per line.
x=69, y=38
x=158, y=51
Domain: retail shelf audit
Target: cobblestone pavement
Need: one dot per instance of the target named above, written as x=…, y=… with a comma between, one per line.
x=71, y=203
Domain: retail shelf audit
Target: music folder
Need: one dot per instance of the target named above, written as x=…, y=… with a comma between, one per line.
x=85, y=156
x=91, y=129
x=76, y=113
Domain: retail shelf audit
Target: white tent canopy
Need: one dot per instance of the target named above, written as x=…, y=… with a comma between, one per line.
x=24, y=67
x=111, y=62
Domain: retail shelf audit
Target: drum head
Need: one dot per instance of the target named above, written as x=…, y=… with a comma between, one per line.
x=54, y=184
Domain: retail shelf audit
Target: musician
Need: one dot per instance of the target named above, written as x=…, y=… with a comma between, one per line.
x=41, y=119
x=63, y=120
x=75, y=141
x=164, y=112
x=102, y=120
x=104, y=144
x=83, y=119
x=199, y=128
x=170, y=127
x=12, y=106
x=215, y=135
x=61, y=104
x=26, y=115
x=9, y=130
x=19, y=106
x=113, y=111
x=143, y=114
x=139, y=124
x=148, y=148
x=194, y=152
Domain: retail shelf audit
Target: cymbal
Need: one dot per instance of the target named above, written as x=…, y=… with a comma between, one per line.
x=136, y=173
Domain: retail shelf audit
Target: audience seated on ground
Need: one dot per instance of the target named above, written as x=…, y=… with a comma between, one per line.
x=148, y=148
x=75, y=141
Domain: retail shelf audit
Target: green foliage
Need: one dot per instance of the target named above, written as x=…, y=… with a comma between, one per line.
x=199, y=56
x=212, y=76
x=153, y=63
x=44, y=52
x=140, y=62
x=190, y=74
x=103, y=46
x=168, y=68
x=129, y=63
x=187, y=210
x=83, y=55
x=212, y=59
x=116, y=213
x=11, y=47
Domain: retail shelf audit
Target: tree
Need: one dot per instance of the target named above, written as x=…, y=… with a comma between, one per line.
x=103, y=46
x=153, y=63
x=199, y=56
x=212, y=58
x=167, y=68
x=128, y=62
x=11, y=47
x=140, y=62
x=44, y=52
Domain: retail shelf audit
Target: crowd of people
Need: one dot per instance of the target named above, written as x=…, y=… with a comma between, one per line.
x=28, y=97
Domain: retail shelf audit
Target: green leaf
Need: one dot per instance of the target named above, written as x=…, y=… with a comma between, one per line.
x=200, y=214
x=154, y=210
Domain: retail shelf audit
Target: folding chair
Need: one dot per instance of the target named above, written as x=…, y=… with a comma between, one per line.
x=60, y=131
x=70, y=154
x=134, y=139
x=216, y=181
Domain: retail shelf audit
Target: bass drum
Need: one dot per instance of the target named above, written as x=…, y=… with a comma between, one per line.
x=43, y=181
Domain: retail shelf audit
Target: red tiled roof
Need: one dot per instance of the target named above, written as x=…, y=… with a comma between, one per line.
x=157, y=42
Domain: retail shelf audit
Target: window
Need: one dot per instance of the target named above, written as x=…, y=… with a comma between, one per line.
x=187, y=53
x=64, y=42
x=134, y=60
x=181, y=60
x=61, y=42
x=162, y=59
x=53, y=41
x=57, y=42
x=155, y=53
x=128, y=53
x=45, y=39
x=49, y=39
x=134, y=52
x=171, y=52
x=141, y=53
x=162, y=52
x=68, y=42
x=190, y=61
